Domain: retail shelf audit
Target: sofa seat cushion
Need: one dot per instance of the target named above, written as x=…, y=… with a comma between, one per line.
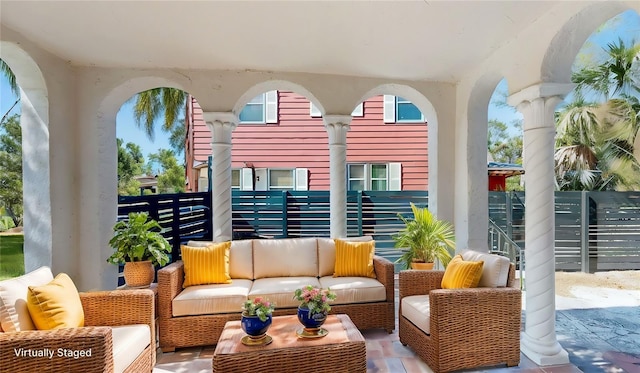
x=280, y=290
x=416, y=309
x=286, y=257
x=128, y=343
x=211, y=299
x=354, y=289
x=495, y=271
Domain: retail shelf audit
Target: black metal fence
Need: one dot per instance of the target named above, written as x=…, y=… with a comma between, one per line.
x=595, y=231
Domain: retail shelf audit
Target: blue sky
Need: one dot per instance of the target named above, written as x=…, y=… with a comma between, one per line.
x=625, y=26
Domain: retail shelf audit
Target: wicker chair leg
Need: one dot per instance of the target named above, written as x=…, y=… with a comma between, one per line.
x=513, y=363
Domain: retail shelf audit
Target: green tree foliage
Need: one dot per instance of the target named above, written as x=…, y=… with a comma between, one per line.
x=130, y=164
x=171, y=177
x=595, y=140
x=169, y=103
x=506, y=148
x=11, y=168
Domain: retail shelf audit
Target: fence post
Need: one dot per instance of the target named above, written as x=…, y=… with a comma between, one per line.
x=285, y=211
x=360, y=231
x=509, y=214
x=584, y=231
x=175, y=228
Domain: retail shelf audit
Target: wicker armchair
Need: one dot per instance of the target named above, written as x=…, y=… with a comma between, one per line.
x=468, y=327
x=101, y=310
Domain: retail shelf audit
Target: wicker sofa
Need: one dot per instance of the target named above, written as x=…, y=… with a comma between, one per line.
x=270, y=268
x=453, y=329
x=118, y=336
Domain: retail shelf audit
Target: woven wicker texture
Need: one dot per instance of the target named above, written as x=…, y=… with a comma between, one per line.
x=345, y=353
x=469, y=327
x=138, y=274
x=102, y=309
x=203, y=330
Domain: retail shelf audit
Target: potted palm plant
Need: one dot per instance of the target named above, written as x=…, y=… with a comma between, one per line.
x=139, y=245
x=424, y=239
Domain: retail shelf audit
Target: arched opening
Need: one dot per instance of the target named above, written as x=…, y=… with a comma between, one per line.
x=34, y=123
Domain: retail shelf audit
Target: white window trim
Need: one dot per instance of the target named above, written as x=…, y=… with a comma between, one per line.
x=390, y=111
x=269, y=109
x=393, y=175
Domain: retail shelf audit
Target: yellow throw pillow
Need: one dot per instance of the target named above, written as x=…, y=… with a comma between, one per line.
x=462, y=274
x=56, y=304
x=206, y=265
x=354, y=259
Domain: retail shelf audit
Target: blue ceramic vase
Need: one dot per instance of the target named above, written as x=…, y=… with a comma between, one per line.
x=311, y=322
x=254, y=327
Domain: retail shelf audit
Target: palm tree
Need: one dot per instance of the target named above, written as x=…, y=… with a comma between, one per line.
x=595, y=140
x=152, y=104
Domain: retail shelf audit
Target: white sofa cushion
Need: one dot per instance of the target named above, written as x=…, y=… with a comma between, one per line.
x=280, y=290
x=287, y=257
x=354, y=289
x=327, y=253
x=14, y=315
x=128, y=343
x=212, y=299
x=240, y=257
x=416, y=309
x=495, y=271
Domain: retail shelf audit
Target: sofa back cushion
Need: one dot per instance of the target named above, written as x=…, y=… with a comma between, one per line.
x=14, y=314
x=495, y=271
x=240, y=257
x=287, y=257
x=327, y=253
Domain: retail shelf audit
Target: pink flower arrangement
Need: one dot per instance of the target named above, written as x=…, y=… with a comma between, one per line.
x=258, y=307
x=315, y=299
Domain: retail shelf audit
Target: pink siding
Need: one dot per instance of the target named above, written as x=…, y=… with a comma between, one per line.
x=300, y=141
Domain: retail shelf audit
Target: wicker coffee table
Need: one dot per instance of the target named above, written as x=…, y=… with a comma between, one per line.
x=342, y=350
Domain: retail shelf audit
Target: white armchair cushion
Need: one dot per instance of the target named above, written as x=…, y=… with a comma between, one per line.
x=280, y=290
x=416, y=309
x=128, y=343
x=355, y=289
x=211, y=299
x=495, y=271
x=288, y=257
x=14, y=314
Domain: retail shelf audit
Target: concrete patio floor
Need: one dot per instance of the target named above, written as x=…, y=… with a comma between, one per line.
x=598, y=327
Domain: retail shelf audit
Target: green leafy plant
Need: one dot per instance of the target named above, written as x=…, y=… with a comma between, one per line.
x=258, y=307
x=424, y=238
x=315, y=299
x=138, y=239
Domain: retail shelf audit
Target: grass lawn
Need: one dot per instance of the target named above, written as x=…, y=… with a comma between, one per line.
x=11, y=256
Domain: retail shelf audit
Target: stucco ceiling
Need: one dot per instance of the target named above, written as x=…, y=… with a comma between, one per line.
x=415, y=40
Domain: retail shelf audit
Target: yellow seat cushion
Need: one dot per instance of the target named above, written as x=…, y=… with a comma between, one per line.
x=206, y=265
x=354, y=259
x=56, y=304
x=462, y=274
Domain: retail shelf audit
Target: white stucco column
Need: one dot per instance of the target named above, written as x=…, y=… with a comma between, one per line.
x=537, y=104
x=337, y=127
x=221, y=126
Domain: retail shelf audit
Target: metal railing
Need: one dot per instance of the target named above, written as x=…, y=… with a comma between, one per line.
x=500, y=243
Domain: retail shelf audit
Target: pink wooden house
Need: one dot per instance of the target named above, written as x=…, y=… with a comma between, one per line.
x=280, y=143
